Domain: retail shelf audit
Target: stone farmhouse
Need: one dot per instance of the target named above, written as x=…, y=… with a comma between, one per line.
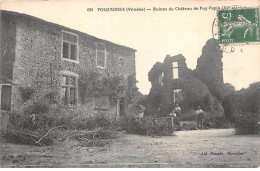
x=51, y=57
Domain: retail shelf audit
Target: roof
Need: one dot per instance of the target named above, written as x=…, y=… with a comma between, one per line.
x=62, y=27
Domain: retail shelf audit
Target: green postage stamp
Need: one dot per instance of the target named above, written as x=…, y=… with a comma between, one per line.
x=238, y=26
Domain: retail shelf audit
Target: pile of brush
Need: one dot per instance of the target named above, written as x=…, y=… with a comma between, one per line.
x=29, y=137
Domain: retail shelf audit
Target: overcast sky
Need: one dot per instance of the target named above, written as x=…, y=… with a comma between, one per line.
x=152, y=34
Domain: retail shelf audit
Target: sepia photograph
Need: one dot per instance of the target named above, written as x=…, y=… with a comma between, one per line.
x=129, y=84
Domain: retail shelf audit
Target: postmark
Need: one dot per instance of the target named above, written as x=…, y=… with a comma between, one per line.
x=226, y=48
x=238, y=26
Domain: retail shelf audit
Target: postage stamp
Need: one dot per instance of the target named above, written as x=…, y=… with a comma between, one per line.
x=238, y=26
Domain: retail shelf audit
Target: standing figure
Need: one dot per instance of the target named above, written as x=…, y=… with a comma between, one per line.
x=177, y=110
x=174, y=118
x=173, y=114
x=200, y=117
x=140, y=113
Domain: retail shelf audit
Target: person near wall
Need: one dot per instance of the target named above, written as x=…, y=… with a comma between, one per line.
x=173, y=114
x=140, y=113
x=177, y=110
x=200, y=117
x=174, y=117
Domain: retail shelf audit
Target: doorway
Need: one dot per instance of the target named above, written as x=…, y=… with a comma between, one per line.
x=6, y=91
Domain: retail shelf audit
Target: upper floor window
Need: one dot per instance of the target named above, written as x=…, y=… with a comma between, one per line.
x=175, y=70
x=100, y=55
x=69, y=46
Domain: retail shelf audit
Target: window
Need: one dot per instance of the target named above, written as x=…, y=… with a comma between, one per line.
x=177, y=95
x=100, y=55
x=5, y=97
x=69, y=90
x=175, y=70
x=70, y=46
x=161, y=79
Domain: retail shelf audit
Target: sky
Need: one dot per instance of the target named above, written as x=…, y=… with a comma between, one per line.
x=154, y=34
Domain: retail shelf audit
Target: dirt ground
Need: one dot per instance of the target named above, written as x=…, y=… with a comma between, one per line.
x=197, y=148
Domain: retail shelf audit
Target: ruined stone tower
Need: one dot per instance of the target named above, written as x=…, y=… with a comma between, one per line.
x=173, y=82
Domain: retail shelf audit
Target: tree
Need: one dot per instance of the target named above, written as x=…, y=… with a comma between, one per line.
x=228, y=88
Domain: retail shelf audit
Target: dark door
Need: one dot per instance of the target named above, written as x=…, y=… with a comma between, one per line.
x=122, y=107
x=6, y=97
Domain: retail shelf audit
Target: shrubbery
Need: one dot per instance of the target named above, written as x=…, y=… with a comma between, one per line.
x=146, y=127
x=38, y=118
x=58, y=117
x=94, y=84
x=210, y=120
x=40, y=107
x=247, y=123
x=50, y=125
x=242, y=108
x=189, y=126
x=133, y=126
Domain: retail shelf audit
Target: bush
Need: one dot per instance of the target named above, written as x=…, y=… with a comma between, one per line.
x=93, y=84
x=247, y=123
x=51, y=123
x=42, y=106
x=215, y=121
x=23, y=129
x=58, y=117
x=132, y=126
x=242, y=108
x=189, y=126
x=20, y=122
x=160, y=130
x=227, y=124
x=211, y=120
x=146, y=127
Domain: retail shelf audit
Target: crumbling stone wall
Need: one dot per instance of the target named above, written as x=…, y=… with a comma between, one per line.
x=171, y=84
x=38, y=59
x=194, y=91
x=210, y=68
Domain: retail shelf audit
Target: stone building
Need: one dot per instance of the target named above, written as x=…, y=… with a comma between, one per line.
x=173, y=82
x=52, y=57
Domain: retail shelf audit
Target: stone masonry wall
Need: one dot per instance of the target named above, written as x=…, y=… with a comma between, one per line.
x=38, y=60
x=210, y=68
x=194, y=91
x=7, y=48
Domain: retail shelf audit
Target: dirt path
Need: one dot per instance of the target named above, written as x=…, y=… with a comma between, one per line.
x=198, y=148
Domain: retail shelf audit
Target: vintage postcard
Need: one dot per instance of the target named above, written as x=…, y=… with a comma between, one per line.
x=129, y=83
